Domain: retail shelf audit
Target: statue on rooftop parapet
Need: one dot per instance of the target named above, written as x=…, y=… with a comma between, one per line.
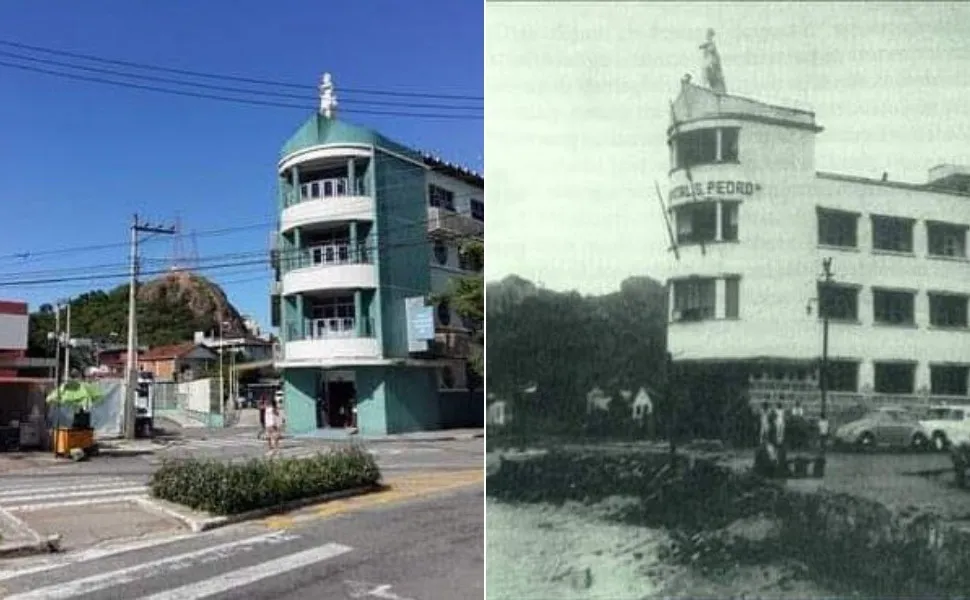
x=712, y=65
x=328, y=99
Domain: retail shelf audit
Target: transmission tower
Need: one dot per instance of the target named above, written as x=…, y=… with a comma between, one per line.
x=185, y=253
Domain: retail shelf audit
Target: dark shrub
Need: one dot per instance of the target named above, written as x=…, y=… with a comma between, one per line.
x=223, y=488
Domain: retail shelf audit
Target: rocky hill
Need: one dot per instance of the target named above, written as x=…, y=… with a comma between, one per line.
x=170, y=309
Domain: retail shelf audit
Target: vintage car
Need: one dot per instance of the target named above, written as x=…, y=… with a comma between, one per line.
x=888, y=426
x=946, y=423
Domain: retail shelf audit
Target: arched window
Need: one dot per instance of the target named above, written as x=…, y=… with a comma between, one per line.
x=440, y=252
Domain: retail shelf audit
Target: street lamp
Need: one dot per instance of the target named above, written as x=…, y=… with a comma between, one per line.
x=823, y=425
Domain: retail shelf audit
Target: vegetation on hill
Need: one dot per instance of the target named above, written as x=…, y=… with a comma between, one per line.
x=564, y=344
x=170, y=309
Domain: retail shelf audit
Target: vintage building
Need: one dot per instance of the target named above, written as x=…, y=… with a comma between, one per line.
x=370, y=231
x=753, y=220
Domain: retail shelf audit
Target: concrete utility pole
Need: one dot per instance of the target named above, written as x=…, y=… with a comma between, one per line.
x=67, y=342
x=823, y=378
x=131, y=372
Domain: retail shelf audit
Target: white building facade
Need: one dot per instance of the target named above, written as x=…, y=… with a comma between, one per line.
x=753, y=220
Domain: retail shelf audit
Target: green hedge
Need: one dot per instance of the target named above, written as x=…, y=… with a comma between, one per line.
x=223, y=488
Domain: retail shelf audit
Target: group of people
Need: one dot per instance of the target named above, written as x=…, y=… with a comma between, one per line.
x=775, y=421
x=271, y=422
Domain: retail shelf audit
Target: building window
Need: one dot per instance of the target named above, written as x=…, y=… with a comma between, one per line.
x=694, y=299
x=444, y=313
x=729, y=221
x=948, y=310
x=439, y=197
x=949, y=380
x=894, y=378
x=696, y=223
x=892, y=234
x=840, y=302
x=701, y=147
x=440, y=252
x=893, y=308
x=843, y=376
x=944, y=239
x=837, y=228
x=477, y=210
x=732, y=300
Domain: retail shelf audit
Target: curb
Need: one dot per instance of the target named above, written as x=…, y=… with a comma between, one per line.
x=31, y=542
x=206, y=522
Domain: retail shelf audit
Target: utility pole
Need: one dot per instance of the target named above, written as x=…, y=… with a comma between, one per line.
x=823, y=376
x=131, y=378
x=67, y=342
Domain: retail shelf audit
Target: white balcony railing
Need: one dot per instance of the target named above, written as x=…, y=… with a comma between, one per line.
x=321, y=189
x=338, y=253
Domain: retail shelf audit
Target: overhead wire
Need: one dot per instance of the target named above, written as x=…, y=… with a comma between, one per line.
x=362, y=91
x=309, y=98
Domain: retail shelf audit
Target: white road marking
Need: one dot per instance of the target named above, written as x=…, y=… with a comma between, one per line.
x=82, y=556
x=32, y=498
x=246, y=576
x=8, y=491
x=94, y=583
x=20, y=508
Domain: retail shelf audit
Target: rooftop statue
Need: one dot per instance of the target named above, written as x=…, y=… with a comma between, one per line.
x=712, y=65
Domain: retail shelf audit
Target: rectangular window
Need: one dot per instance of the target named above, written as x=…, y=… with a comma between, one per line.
x=439, y=197
x=698, y=147
x=729, y=221
x=694, y=299
x=892, y=307
x=949, y=380
x=843, y=376
x=477, y=210
x=892, y=233
x=894, y=378
x=732, y=297
x=837, y=228
x=729, y=144
x=948, y=310
x=696, y=222
x=839, y=302
x=944, y=239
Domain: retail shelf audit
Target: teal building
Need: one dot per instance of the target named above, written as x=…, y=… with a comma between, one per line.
x=367, y=228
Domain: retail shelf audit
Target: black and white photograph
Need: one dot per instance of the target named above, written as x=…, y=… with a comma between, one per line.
x=727, y=289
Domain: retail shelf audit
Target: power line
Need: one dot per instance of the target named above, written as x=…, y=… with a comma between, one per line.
x=264, y=261
x=227, y=98
x=269, y=225
x=257, y=81
x=223, y=88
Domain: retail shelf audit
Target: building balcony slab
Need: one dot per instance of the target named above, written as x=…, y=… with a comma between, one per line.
x=330, y=277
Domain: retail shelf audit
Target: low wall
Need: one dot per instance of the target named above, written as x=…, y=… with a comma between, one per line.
x=839, y=537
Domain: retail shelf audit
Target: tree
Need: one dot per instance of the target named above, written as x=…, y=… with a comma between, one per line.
x=467, y=296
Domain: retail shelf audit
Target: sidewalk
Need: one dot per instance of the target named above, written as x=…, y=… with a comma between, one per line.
x=441, y=435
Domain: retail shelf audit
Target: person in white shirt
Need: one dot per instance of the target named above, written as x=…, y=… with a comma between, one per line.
x=780, y=424
x=274, y=425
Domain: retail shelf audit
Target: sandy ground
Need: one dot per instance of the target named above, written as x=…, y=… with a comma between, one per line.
x=537, y=552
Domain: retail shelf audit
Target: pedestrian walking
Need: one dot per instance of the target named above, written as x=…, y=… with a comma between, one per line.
x=262, y=418
x=274, y=425
x=780, y=425
x=764, y=423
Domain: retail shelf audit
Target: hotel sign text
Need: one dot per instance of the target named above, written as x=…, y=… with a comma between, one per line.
x=715, y=188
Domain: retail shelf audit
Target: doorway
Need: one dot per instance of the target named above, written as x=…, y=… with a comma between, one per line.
x=341, y=400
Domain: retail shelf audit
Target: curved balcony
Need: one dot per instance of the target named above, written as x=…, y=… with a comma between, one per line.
x=338, y=266
x=327, y=200
x=332, y=339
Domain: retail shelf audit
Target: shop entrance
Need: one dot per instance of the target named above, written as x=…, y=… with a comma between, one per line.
x=341, y=399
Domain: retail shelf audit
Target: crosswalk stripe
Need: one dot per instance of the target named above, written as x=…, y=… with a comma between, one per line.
x=102, y=581
x=41, y=495
x=82, y=556
x=249, y=575
x=7, y=491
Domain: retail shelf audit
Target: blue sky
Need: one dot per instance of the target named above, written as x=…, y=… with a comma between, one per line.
x=77, y=159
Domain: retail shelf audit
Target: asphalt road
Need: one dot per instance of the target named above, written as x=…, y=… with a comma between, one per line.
x=426, y=549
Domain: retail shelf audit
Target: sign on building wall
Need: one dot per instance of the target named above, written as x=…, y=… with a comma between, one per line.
x=715, y=189
x=420, y=319
x=13, y=325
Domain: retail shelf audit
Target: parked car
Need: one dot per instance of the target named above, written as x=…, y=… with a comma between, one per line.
x=888, y=426
x=946, y=423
